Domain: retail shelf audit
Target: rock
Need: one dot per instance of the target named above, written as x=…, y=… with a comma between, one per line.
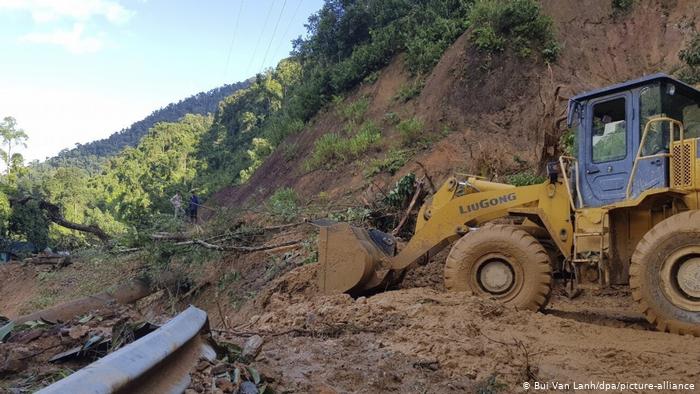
x=225, y=385
x=14, y=360
x=252, y=347
x=220, y=368
x=78, y=332
x=202, y=365
x=248, y=388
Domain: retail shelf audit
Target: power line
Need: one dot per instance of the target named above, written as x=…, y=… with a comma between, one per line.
x=289, y=25
x=257, y=44
x=233, y=39
x=272, y=38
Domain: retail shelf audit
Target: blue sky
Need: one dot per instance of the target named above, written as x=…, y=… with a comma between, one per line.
x=79, y=70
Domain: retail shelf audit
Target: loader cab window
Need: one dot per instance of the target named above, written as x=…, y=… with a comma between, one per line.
x=609, y=131
x=666, y=100
x=680, y=105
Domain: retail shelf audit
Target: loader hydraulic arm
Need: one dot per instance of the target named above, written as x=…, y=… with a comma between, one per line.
x=548, y=201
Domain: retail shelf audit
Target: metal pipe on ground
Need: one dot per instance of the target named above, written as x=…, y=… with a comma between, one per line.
x=125, y=293
x=160, y=362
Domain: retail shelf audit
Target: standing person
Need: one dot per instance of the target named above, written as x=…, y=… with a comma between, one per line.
x=194, y=204
x=176, y=200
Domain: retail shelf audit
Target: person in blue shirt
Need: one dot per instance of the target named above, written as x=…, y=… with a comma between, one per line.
x=194, y=205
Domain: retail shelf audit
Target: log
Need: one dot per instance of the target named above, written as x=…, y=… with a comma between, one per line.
x=126, y=293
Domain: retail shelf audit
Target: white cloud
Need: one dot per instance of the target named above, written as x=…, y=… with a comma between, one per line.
x=75, y=41
x=77, y=10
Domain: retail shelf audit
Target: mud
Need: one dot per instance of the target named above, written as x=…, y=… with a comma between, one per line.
x=424, y=340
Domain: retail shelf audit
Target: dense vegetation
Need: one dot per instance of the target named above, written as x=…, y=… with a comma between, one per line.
x=126, y=192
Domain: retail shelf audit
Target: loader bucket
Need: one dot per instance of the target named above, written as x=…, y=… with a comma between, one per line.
x=351, y=259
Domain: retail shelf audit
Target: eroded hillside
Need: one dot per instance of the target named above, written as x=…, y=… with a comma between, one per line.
x=488, y=114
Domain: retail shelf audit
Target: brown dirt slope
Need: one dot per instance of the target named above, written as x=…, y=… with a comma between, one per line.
x=481, y=113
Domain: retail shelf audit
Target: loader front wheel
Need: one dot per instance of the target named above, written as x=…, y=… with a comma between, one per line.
x=665, y=274
x=501, y=262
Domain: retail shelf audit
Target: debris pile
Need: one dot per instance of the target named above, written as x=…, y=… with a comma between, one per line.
x=39, y=352
x=232, y=372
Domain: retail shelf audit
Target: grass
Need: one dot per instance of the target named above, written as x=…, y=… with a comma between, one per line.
x=332, y=149
x=409, y=90
x=92, y=271
x=392, y=118
x=411, y=131
x=354, y=112
x=390, y=163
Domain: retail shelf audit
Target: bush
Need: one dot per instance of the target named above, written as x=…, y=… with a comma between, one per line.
x=284, y=204
x=411, y=131
x=400, y=195
x=567, y=142
x=433, y=30
x=519, y=24
x=331, y=149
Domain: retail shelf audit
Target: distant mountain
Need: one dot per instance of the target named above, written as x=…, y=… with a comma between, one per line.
x=91, y=154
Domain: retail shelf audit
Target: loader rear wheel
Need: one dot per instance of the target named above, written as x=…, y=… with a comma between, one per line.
x=665, y=274
x=501, y=262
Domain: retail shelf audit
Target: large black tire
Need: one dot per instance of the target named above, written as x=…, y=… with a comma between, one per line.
x=493, y=248
x=665, y=274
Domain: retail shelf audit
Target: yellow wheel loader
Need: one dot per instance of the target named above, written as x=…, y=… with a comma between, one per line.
x=622, y=210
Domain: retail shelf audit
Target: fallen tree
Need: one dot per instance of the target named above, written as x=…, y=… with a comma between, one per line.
x=53, y=213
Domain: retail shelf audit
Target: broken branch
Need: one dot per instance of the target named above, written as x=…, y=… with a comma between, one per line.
x=419, y=189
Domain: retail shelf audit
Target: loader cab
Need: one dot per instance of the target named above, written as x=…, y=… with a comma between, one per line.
x=609, y=123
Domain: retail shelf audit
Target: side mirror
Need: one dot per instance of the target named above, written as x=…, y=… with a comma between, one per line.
x=553, y=171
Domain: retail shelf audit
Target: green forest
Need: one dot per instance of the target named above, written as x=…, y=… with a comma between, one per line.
x=127, y=190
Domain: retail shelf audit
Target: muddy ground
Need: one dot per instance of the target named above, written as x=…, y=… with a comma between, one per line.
x=414, y=339
x=424, y=340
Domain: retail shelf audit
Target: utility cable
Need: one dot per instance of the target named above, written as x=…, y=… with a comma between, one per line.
x=233, y=39
x=272, y=38
x=289, y=26
x=257, y=44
